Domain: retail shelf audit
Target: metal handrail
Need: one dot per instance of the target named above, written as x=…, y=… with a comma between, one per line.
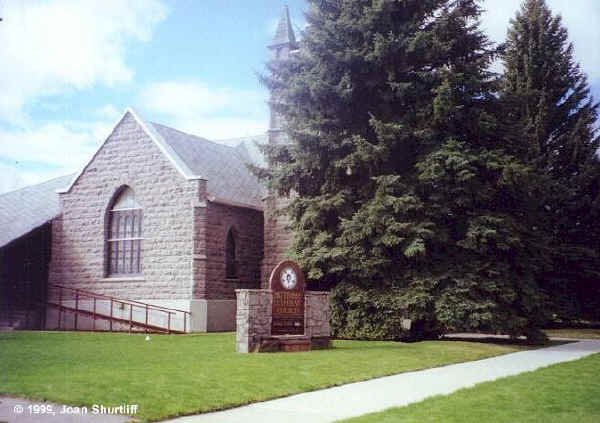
x=108, y=297
x=131, y=303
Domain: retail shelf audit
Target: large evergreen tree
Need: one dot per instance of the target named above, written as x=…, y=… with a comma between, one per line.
x=410, y=192
x=548, y=97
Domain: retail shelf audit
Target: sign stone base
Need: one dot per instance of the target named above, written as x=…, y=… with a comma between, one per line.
x=253, y=319
x=285, y=343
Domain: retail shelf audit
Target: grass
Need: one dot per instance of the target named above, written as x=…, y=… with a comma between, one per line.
x=177, y=375
x=574, y=333
x=565, y=393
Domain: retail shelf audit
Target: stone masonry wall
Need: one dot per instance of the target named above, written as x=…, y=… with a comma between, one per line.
x=253, y=318
x=278, y=237
x=247, y=225
x=317, y=314
x=128, y=157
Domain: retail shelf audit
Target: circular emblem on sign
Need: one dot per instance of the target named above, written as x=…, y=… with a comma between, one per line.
x=287, y=285
x=288, y=278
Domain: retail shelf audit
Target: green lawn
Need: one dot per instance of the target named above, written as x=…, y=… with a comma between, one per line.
x=175, y=375
x=565, y=393
x=574, y=333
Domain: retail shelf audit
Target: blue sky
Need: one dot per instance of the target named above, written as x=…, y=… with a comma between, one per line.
x=69, y=68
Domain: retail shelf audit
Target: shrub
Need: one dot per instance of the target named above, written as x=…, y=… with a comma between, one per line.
x=375, y=314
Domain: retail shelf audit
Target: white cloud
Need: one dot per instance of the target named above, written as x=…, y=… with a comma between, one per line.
x=581, y=17
x=51, y=47
x=184, y=97
x=15, y=176
x=66, y=145
x=36, y=154
x=108, y=111
x=220, y=129
x=211, y=112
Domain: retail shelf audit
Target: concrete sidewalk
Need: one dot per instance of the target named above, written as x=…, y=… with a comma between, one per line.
x=359, y=398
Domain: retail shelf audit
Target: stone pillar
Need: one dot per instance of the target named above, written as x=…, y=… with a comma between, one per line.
x=253, y=318
x=277, y=238
x=317, y=315
x=198, y=306
x=199, y=241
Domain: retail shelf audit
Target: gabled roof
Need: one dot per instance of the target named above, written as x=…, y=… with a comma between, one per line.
x=155, y=137
x=224, y=167
x=284, y=34
x=28, y=208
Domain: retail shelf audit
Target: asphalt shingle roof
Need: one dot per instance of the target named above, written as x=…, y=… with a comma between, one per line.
x=28, y=208
x=229, y=178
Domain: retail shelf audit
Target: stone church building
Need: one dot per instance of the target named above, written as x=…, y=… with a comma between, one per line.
x=157, y=216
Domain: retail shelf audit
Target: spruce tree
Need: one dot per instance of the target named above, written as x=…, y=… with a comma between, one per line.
x=549, y=92
x=408, y=194
x=547, y=96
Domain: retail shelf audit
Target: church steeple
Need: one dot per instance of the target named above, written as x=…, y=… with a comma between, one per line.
x=284, y=40
x=283, y=43
x=284, y=33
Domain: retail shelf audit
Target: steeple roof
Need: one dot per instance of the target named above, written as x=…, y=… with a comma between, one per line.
x=284, y=33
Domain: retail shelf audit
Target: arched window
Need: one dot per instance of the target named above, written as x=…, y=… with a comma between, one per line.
x=124, y=238
x=230, y=265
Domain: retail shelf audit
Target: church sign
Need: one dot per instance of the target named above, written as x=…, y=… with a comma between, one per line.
x=288, y=286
